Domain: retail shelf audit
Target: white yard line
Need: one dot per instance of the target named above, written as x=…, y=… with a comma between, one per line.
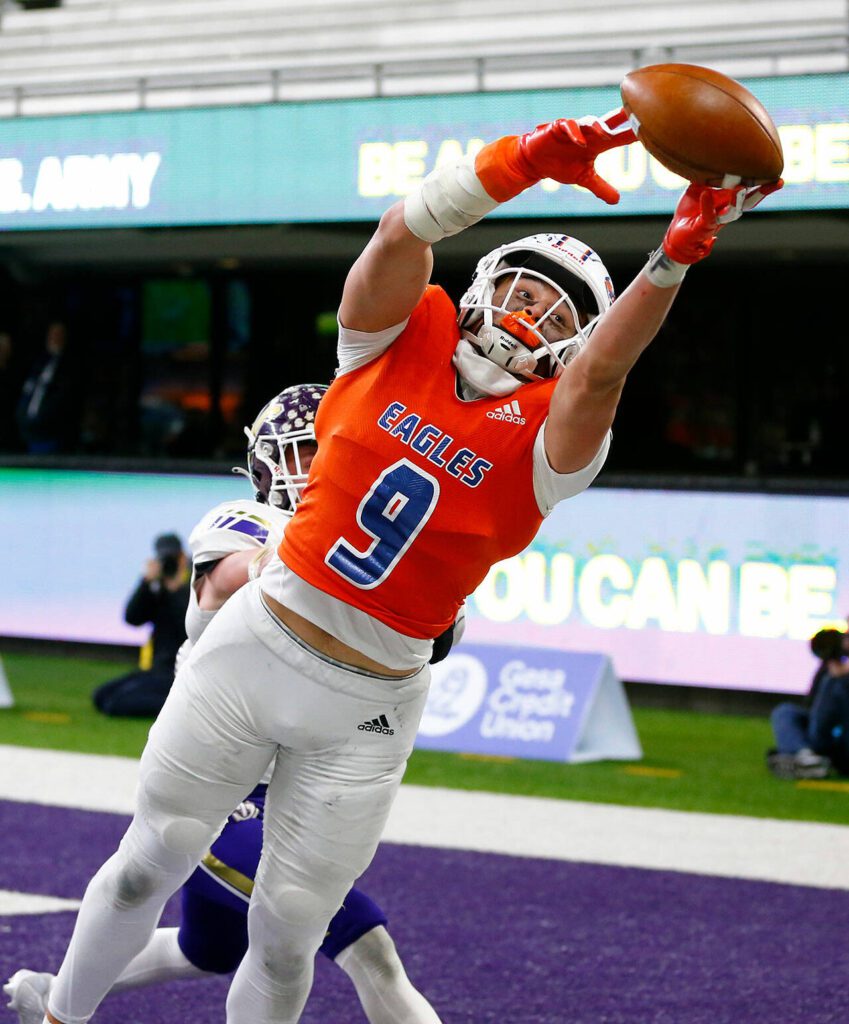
x=89, y=782
x=16, y=903
x=799, y=853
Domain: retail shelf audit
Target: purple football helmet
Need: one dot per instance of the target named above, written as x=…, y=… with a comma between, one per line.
x=287, y=421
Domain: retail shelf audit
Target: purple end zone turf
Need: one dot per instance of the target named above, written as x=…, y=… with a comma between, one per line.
x=490, y=938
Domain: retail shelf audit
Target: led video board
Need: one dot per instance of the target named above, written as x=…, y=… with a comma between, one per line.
x=348, y=160
x=707, y=589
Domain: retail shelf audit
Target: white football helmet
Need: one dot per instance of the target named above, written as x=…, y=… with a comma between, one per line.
x=569, y=266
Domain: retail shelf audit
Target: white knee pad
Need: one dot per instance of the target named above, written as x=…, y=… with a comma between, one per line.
x=144, y=865
x=132, y=885
x=293, y=919
x=164, y=804
x=375, y=953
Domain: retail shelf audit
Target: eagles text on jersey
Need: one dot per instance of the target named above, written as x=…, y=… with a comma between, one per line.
x=437, y=447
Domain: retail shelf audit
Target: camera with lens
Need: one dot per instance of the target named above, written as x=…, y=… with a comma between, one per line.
x=168, y=549
x=169, y=565
x=827, y=645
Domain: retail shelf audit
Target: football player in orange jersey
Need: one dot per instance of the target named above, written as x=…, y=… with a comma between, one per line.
x=442, y=443
x=227, y=545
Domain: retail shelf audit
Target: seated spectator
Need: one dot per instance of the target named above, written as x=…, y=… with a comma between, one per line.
x=813, y=737
x=161, y=598
x=47, y=411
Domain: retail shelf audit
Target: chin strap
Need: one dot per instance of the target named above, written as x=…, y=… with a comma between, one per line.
x=501, y=347
x=481, y=373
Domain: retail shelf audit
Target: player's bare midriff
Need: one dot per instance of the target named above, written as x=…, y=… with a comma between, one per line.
x=323, y=642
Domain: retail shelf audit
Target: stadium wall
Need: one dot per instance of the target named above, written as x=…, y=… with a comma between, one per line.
x=680, y=587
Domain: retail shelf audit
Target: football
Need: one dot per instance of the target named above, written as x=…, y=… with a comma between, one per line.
x=702, y=125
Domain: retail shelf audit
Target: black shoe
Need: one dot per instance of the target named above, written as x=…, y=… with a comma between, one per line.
x=782, y=766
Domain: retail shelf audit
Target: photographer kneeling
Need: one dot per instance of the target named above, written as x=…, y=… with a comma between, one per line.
x=812, y=738
x=161, y=598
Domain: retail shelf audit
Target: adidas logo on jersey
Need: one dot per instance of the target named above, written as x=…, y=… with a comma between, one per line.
x=380, y=725
x=509, y=413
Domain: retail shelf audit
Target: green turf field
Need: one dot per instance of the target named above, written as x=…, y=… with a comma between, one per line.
x=693, y=761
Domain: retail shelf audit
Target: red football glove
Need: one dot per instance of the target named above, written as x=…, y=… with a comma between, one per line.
x=564, y=150
x=703, y=211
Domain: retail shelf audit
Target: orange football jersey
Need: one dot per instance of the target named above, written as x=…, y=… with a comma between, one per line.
x=414, y=494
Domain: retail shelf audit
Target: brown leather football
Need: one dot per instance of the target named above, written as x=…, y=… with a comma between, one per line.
x=702, y=125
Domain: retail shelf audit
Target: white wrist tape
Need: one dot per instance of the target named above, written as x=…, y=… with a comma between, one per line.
x=450, y=199
x=664, y=272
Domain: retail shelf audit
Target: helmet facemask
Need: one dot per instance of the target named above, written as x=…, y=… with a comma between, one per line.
x=516, y=343
x=277, y=467
x=278, y=445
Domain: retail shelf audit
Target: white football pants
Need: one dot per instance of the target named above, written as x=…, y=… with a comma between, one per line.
x=248, y=693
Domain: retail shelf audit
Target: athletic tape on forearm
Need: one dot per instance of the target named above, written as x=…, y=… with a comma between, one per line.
x=664, y=272
x=450, y=199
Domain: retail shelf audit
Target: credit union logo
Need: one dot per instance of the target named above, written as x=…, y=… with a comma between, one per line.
x=457, y=690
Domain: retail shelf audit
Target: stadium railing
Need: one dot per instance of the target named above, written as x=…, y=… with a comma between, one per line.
x=94, y=54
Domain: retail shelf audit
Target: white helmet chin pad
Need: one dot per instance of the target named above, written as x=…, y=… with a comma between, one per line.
x=503, y=349
x=567, y=265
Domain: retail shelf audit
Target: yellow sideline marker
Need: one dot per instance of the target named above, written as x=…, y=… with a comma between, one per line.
x=831, y=787
x=648, y=772
x=48, y=717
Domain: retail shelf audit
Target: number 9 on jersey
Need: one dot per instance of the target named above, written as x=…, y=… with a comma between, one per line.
x=393, y=512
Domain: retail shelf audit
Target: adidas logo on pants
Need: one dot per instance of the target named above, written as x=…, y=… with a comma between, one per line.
x=380, y=724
